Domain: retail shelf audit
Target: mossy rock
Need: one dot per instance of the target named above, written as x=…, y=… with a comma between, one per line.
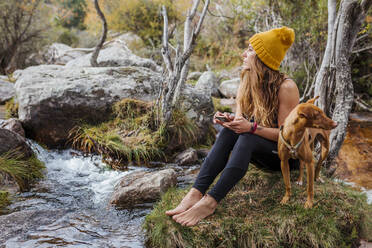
x=192, y=82
x=251, y=216
x=218, y=107
x=4, y=199
x=11, y=109
x=133, y=135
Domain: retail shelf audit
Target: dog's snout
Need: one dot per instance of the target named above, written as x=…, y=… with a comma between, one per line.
x=335, y=124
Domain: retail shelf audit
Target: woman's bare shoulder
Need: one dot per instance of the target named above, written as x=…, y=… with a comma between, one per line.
x=288, y=90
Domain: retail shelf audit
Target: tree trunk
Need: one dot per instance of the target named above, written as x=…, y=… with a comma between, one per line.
x=333, y=82
x=176, y=70
x=93, y=59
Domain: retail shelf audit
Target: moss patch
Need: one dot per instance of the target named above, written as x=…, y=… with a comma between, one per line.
x=251, y=216
x=218, y=107
x=4, y=200
x=192, y=82
x=133, y=135
x=11, y=109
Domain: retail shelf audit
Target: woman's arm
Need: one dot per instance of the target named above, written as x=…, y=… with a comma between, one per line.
x=238, y=111
x=289, y=97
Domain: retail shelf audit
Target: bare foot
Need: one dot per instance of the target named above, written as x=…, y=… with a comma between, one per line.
x=192, y=197
x=199, y=211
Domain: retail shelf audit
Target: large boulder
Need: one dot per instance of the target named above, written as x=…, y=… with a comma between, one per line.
x=53, y=98
x=208, y=83
x=229, y=88
x=142, y=187
x=6, y=91
x=114, y=54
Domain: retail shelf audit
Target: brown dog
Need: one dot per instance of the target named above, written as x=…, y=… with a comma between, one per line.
x=305, y=123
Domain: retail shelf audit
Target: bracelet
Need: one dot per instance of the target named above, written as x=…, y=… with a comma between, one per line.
x=253, y=127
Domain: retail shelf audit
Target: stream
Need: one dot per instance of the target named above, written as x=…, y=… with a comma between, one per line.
x=70, y=206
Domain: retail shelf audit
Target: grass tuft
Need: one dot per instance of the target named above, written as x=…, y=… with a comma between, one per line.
x=251, y=216
x=23, y=171
x=132, y=135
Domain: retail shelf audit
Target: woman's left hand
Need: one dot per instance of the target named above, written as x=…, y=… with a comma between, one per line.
x=239, y=125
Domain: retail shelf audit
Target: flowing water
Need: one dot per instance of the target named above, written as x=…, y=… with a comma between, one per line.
x=70, y=207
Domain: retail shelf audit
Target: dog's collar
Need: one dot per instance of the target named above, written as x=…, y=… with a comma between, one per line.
x=292, y=149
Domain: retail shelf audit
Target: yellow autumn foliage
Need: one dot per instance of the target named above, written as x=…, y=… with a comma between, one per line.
x=142, y=17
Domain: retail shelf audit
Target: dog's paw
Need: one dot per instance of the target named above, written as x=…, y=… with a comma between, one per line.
x=284, y=200
x=308, y=204
x=299, y=182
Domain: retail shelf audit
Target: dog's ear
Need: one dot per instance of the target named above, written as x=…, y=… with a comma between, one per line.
x=302, y=114
x=306, y=111
x=312, y=100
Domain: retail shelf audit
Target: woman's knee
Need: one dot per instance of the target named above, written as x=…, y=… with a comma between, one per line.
x=227, y=133
x=248, y=140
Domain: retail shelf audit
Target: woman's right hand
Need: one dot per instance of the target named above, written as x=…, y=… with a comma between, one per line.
x=220, y=114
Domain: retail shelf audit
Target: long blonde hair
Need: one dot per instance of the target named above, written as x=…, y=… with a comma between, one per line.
x=258, y=92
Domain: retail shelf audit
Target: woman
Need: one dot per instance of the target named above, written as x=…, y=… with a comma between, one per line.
x=265, y=97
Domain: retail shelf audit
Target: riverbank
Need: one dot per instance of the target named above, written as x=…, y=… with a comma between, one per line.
x=251, y=216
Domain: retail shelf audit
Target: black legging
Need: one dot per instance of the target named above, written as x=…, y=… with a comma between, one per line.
x=246, y=148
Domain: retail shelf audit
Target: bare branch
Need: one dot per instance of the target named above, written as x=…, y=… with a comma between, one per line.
x=365, y=5
x=196, y=33
x=164, y=49
x=362, y=49
x=93, y=59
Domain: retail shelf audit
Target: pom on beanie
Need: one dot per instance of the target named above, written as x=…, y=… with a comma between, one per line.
x=286, y=35
x=271, y=46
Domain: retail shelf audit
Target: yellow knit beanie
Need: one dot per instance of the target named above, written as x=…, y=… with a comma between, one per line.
x=272, y=45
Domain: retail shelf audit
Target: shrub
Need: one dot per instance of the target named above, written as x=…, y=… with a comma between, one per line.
x=68, y=38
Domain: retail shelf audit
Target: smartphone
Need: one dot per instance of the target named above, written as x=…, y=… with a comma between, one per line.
x=222, y=118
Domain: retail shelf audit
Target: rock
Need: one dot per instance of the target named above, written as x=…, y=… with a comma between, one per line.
x=188, y=176
x=2, y=112
x=186, y=157
x=56, y=53
x=208, y=83
x=230, y=74
x=15, y=223
x=194, y=75
x=6, y=91
x=115, y=54
x=10, y=140
x=14, y=125
x=229, y=102
x=229, y=88
x=202, y=152
x=354, y=158
x=141, y=187
x=53, y=98
x=131, y=40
